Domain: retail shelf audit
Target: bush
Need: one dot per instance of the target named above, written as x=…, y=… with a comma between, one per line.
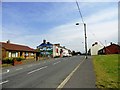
x=7, y=60
x=11, y=60
x=18, y=58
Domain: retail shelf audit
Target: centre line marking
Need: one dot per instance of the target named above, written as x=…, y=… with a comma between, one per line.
x=37, y=69
x=68, y=77
x=56, y=62
x=4, y=82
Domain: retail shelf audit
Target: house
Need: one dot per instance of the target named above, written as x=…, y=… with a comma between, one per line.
x=46, y=49
x=14, y=50
x=57, y=50
x=95, y=48
x=66, y=52
x=111, y=49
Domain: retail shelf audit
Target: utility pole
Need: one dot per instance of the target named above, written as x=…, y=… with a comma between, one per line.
x=84, y=29
x=85, y=40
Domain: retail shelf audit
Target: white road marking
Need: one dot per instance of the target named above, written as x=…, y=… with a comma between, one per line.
x=4, y=82
x=8, y=70
x=19, y=68
x=68, y=77
x=56, y=62
x=37, y=69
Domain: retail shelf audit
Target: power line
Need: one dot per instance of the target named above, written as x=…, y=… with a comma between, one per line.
x=79, y=11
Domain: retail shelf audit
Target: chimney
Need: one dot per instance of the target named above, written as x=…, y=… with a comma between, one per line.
x=8, y=41
x=48, y=42
x=111, y=43
x=44, y=41
x=96, y=43
x=93, y=44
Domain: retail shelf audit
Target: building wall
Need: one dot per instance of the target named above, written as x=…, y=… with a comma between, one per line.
x=56, y=51
x=65, y=52
x=3, y=53
x=94, y=49
x=11, y=54
x=113, y=49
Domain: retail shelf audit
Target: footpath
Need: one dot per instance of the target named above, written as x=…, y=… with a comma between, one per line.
x=84, y=77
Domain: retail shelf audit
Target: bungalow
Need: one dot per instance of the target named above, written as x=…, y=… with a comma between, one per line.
x=14, y=50
x=111, y=49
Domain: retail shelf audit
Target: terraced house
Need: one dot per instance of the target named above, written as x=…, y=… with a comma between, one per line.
x=53, y=50
x=15, y=50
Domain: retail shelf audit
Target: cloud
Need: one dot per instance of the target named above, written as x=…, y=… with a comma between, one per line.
x=103, y=15
x=101, y=25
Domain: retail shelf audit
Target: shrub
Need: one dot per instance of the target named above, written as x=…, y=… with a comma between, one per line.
x=7, y=60
x=18, y=58
x=11, y=60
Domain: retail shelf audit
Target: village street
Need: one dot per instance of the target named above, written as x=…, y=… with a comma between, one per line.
x=69, y=72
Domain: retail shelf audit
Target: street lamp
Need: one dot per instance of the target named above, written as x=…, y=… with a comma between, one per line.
x=85, y=39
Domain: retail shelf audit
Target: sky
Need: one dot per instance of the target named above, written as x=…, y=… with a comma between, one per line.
x=28, y=23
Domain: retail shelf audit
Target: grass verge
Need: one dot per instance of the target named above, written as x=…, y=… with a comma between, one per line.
x=106, y=69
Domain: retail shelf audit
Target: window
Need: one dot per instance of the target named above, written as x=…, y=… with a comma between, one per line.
x=13, y=54
x=26, y=54
x=32, y=54
x=9, y=55
x=16, y=54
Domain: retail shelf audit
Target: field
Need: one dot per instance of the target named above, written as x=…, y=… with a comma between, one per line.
x=106, y=70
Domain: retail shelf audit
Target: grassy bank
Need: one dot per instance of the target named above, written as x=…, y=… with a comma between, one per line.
x=106, y=69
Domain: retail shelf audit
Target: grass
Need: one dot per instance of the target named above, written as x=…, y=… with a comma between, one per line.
x=106, y=69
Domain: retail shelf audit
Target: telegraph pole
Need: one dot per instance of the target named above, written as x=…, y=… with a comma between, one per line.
x=84, y=29
x=85, y=40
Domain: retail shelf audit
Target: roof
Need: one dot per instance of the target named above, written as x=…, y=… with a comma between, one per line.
x=113, y=45
x=45, y=45
x=16, y=47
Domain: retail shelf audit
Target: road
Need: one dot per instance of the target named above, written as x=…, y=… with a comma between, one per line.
x=41, y=74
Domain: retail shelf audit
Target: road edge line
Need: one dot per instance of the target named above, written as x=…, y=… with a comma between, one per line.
x=68, y=77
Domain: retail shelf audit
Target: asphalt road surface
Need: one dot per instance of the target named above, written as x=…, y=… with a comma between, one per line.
x=41, y=74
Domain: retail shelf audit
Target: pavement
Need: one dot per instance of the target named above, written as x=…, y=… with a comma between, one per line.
x=51, y=73
x=84, y=77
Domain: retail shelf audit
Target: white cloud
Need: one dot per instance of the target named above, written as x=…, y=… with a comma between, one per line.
x=102, y=23
x=103, y=15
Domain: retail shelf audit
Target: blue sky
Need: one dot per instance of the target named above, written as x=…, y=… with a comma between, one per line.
x=28, y=23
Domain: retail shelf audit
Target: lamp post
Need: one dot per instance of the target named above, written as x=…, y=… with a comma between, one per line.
x=85, y=39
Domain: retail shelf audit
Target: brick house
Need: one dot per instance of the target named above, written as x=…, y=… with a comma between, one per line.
x=111, y=49
x=15, y=50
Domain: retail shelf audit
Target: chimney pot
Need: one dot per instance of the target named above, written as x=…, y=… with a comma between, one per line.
x=8, y=41
x=44, y=41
